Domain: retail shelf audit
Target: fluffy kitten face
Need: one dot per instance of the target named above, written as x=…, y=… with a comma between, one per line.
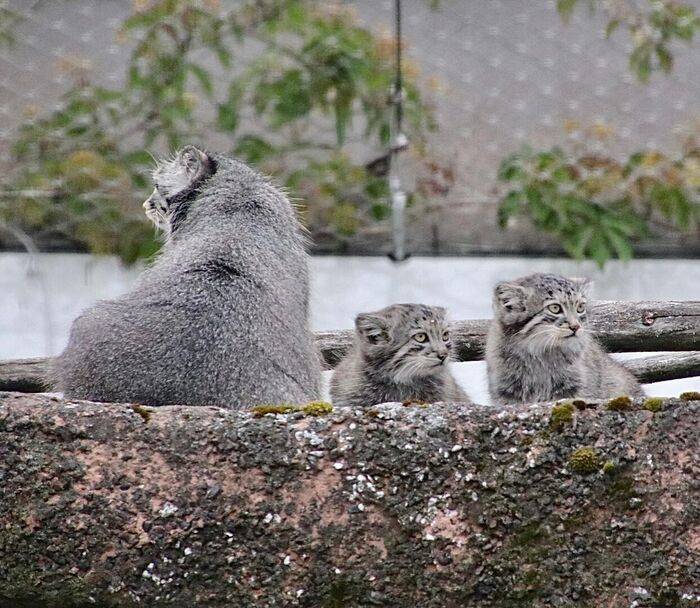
x=174, y=180
x=543, y=311
x=405, y=340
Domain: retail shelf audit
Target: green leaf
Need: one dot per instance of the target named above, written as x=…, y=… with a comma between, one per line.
x=510, y=205
x=622, y=246
x=204, y=78
x=598, y=249
x=665, y=58
x=565, y=8
x=253, y=149
x=227, y=117
x=613, y=24
x=224, y=56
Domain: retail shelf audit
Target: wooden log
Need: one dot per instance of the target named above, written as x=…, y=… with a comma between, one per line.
x=620, y=326
x=24, y=375
x=668, y=366
x=116, y=506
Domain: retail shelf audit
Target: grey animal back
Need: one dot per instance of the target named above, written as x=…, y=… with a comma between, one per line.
x=220, y=318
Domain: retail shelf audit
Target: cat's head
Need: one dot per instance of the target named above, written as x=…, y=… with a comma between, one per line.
x=405, y=340
x=544, y=311
x=176, y=182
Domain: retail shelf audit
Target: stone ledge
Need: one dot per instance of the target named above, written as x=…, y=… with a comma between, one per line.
x=431, y=506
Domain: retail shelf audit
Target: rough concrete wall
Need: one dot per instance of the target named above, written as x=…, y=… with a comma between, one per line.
x=427, y=506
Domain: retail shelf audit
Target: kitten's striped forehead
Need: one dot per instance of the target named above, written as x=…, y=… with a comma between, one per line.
x=554, y=286
x=419, y=314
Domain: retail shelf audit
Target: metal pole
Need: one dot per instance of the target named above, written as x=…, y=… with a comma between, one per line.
x=398, y=142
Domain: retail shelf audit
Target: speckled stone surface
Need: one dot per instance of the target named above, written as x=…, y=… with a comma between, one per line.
x=408, y=506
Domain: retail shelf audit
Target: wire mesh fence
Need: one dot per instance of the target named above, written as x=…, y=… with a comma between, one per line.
x=545, y=132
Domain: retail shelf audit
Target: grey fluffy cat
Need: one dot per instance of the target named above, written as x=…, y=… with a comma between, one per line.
x=538, y=348
x=221, y=316
x=400, y=352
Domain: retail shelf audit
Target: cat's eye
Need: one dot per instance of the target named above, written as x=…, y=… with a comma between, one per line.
x=581, y=308
x=420, y=337
x=554, y=308
x=445, y=336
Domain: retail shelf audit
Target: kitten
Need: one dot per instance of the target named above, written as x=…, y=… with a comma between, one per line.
x=221, y=316
x=538, y=348
x=399, y=353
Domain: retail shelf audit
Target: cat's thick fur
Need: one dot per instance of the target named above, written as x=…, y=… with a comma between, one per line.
x=221, y=316
x=399, y=353
x=538, y=347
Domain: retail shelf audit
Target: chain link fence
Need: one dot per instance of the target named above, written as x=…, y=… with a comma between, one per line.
x=499, y=75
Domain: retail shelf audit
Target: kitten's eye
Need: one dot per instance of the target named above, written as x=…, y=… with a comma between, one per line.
x=554, y=308
x=421, y=337
x=581, y=308
x=445, y=336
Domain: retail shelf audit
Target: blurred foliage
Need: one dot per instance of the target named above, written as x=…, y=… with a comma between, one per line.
x=652, y=30
x=316, y=77
x=595, y=205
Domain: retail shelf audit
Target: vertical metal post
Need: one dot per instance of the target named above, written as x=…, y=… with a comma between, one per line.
x=397, y=143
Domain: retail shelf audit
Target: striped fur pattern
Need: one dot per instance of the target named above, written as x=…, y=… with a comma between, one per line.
x=221, y=316
x=538, y=347
x=399, y=353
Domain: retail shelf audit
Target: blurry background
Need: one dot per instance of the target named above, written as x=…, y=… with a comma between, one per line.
x=565, y=129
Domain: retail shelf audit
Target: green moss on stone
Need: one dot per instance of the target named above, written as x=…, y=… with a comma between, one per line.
x=584, y=461
x=313, y=408
x=609, y=467
x=142, y=411
x=316, y=408
x=620, y=404
x=653, y=404
x=690, y=396
x=526, y=440
x=262, y=410
x=561, y=416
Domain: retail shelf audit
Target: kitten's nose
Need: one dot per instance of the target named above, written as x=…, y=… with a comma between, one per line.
x=442, y=355
x=574, y=327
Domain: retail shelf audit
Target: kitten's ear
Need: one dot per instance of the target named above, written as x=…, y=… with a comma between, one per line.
x=194, y=162
x=372, y=328
x=509, y=302
x=585, y=286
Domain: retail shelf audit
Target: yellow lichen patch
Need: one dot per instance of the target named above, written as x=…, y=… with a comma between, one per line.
x=584, y=461
x=313, y=408
x=653, y=404
x=316, y=408
x=262, y=410
x=690, y=396
x=142, y=411
x=620, y=404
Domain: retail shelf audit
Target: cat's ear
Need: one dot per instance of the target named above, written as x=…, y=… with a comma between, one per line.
x=510, y=302
x=195, y=163
x=585, y=286
x=372, y=328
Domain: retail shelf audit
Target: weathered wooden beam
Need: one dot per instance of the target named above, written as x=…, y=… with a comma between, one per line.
x=24, y=375
x=668, y=366
x=621, y=326
x=117, y=506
